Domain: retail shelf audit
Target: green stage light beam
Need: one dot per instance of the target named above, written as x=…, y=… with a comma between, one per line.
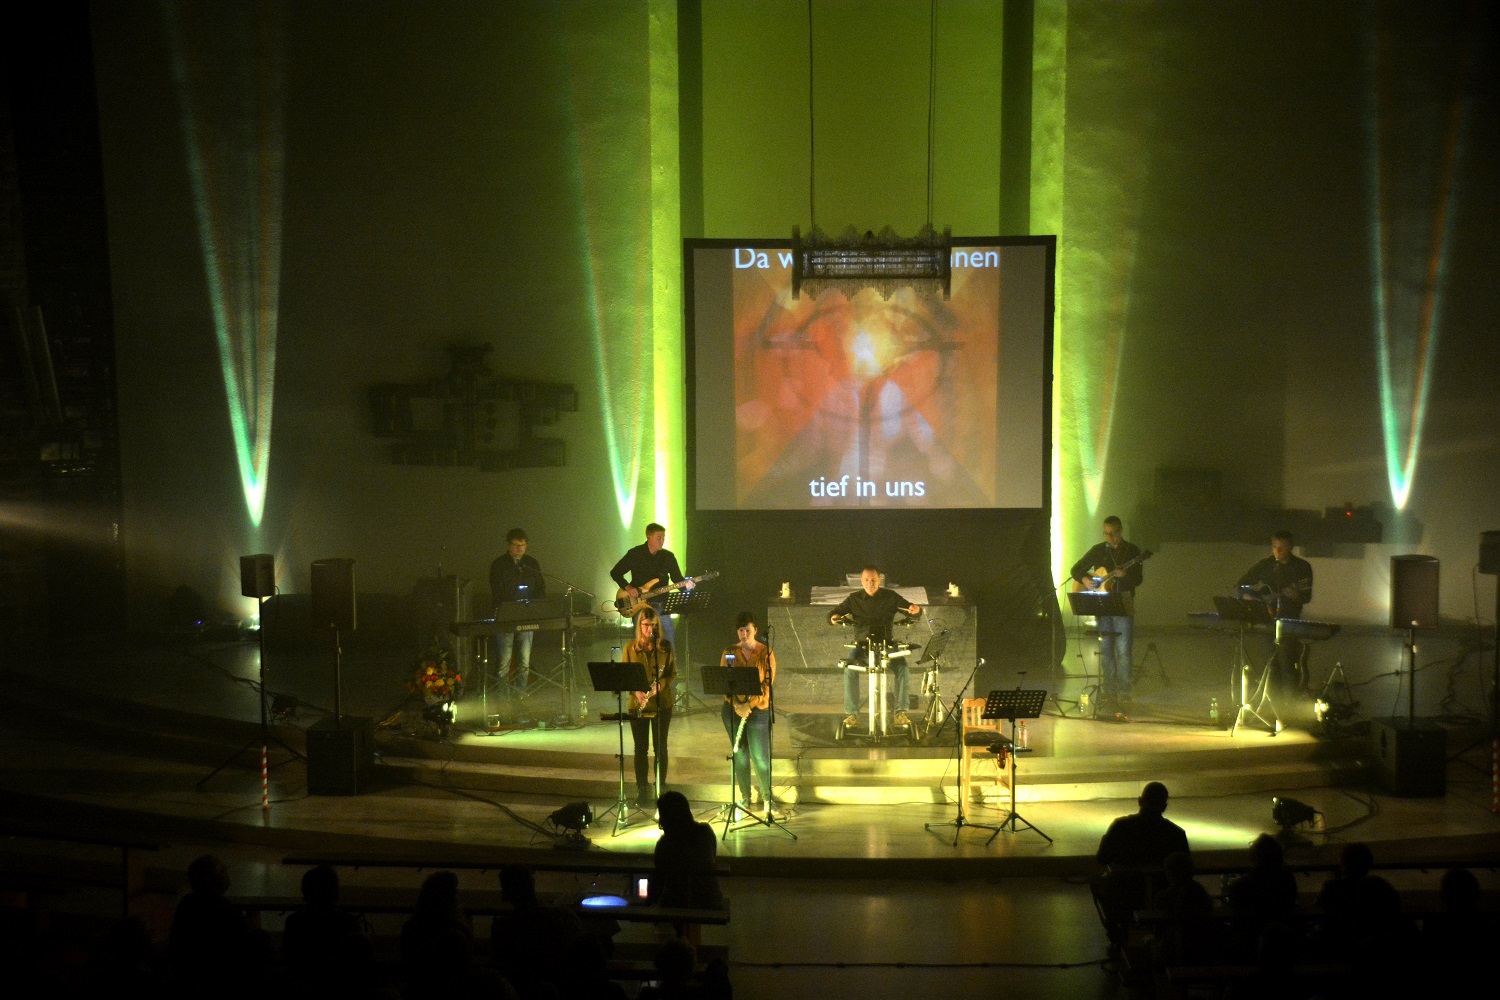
x=229, y=79
x=668, y=371
x=1048, y=195
x=1406, y=344
x=620, y=336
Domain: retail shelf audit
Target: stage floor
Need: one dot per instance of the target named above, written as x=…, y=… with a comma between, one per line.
x=136, y=726
x=875, y=897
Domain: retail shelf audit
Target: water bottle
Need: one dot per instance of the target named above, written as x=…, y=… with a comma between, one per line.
x=1213, y=712
x=1083, y=701
x=583, y=708
x=1024, y=740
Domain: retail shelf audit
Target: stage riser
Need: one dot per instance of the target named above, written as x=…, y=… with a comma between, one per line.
x=889, y=789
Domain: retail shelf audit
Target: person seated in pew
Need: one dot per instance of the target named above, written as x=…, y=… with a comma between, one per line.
x=1132, y=851
x=1265, y=894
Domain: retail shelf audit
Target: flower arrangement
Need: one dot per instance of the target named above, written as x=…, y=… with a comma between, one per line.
x=436, y=680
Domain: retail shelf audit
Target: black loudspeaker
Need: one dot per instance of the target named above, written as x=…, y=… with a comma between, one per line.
x=1409, y=757
x=1489, y=552
x=340, y=755
x=1414, y=592
x=258, y=575
x=333, y=594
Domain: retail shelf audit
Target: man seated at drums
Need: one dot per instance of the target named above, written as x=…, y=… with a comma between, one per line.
x=873, y=608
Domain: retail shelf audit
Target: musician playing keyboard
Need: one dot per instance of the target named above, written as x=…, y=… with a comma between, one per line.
x=1114, y=565
x=1285, y=583
x=747, y=719
x=648, y=567
x=515, y=576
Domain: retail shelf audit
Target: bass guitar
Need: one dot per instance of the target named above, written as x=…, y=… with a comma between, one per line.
x=630, y=608
x=1104, y=579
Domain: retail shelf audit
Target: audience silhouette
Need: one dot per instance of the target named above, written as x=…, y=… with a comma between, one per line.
x=213, y=948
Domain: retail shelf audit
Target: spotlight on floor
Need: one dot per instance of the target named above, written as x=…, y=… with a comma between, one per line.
x=572, y=819
x=1288, y=813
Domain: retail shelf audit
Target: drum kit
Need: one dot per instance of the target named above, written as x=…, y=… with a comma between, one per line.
x=878, y=657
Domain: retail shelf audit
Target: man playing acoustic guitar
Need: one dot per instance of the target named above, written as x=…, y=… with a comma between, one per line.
x=648, y=567
x=1114, y=565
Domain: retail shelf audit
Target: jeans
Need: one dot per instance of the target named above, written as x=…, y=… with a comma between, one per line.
x=1115, y=655
x=521, y=642
x=896, y=671
x=754, y=751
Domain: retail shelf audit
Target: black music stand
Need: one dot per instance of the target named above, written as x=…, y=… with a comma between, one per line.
x=960, y=821
x=724, y=681
x=1014, y=704
x=933, y=654
x=686, y=602
x=611, y=675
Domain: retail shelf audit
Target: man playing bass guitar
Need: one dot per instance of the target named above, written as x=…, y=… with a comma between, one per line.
x=648, y=566
x=1114, y=564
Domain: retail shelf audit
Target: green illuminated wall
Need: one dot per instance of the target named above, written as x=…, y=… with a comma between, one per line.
x=1232, y=185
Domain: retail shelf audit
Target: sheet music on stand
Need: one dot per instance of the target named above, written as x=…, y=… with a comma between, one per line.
x=1013, y=703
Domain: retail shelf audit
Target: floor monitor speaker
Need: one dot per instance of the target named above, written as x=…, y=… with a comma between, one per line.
x=1409, y=757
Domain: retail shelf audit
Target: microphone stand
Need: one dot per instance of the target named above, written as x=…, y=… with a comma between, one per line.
x=571, y=709
x=770, y=817
x=960, y=821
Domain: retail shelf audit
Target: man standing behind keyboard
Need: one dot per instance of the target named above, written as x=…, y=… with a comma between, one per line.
x=515, y=576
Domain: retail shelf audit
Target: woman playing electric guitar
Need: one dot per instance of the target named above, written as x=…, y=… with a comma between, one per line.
x=747, y=719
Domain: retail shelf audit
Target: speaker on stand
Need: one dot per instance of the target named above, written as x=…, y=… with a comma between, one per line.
x=258, y=580
x=340, y=749
x=333, y=608
x=1411, y=756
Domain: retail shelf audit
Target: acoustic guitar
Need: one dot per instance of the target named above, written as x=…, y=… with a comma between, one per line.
x=1101, y=579
x=628, y=608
